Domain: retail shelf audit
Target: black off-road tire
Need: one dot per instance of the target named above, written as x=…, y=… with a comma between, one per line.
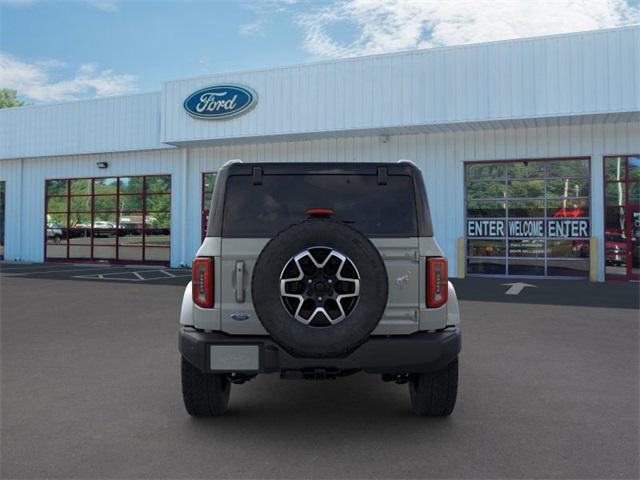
x=434, y=394
x=204, y=394
x=340, y=338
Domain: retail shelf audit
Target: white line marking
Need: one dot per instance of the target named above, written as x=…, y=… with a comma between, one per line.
x=137, y=274
x=34, y=272
x=169, y=274
x=101, y=277
x=516, y=288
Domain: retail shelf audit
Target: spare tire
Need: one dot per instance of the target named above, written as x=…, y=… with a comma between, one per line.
x=319, y=288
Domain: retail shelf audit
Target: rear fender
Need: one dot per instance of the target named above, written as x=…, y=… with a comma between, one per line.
x=186, y=310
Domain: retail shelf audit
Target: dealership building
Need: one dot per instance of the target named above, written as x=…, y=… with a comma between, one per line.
x=530, y=151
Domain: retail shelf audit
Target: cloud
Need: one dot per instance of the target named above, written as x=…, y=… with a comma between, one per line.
x=390, y=25
x=34, y=80
x=104, y=5
x=252, y=29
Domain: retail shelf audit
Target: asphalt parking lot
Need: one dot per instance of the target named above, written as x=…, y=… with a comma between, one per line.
x=91, y=389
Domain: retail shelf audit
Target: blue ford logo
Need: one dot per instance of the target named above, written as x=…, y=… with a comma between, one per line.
x=220, y=101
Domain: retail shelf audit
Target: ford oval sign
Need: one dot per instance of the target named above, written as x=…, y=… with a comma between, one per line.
x=220, y=102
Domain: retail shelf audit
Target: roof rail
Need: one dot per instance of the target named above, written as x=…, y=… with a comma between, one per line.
x=231, y=162
x=404, y=160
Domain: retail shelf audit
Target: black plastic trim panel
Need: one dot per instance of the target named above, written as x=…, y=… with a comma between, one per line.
x=420, y=352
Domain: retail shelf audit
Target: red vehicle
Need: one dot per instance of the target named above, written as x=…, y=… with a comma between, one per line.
x=615, y=247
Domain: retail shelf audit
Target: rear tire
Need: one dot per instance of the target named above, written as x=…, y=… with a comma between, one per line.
x=433, y=394
x=204, y=394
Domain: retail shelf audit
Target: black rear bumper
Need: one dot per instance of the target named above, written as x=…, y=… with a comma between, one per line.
x=419, y=352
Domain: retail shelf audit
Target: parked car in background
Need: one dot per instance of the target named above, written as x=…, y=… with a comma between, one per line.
x=102, y=228
x=54, y=232
x=615, y=248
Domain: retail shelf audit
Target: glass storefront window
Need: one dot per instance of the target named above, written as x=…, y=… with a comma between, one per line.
x=526, y=248
x=486, y=190
x=569, y=208
x=568, y=248
x=130, y=203
x=615, y=193
x=57, y=204
x=486, y=248
x=525, y=170
x=622, y=217
x=131, y=185
x=105, y=186
x=569, y=187
x=81, y=186
x=633, y=168
x=530, y=214
x=106, y=219
x=614, y=168
x=486, y=266
x=525, y=208
x=525, y=188
x=486, y=209
x=568, y=168
x=486, y=171
x=80, y=204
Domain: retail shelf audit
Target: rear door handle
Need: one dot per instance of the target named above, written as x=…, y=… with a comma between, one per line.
x=240, y=281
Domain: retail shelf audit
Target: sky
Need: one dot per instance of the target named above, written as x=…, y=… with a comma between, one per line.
x=54, y=50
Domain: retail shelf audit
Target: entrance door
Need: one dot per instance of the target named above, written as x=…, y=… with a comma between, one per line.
x=622, y=217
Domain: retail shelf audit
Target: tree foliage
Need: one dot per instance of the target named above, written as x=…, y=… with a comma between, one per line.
x=8, y=98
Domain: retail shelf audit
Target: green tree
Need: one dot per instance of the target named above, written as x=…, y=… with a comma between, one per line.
x=8, y=98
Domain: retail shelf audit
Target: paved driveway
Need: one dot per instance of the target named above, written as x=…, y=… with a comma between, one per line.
x=90, y=389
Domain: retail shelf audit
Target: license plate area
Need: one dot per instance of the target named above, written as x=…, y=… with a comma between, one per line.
x=234, y=358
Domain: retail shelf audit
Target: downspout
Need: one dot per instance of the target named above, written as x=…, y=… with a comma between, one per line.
x=21, y=235
x=183, y=207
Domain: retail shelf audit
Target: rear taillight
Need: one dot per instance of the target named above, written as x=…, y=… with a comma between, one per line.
x=202, y=282
x=437, y=282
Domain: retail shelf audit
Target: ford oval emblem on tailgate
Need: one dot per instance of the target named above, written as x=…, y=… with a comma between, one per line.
x=240, y=316
x=220, y=101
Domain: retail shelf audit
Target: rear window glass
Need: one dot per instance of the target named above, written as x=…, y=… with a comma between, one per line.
x=282, y=200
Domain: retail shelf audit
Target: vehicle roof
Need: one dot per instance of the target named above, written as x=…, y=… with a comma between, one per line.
x=334, y=168
x=257, y=169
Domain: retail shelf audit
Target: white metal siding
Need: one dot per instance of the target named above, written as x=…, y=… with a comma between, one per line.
x=441, y=157
x=112, y=124
x=25, y=195
x=557, y=76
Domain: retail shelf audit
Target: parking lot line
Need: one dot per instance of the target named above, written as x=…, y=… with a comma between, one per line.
x=136, y=276
x=59, y=270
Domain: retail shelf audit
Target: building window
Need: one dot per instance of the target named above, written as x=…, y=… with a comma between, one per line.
x=208, y=182
x=2, y=187
x=622, y=217
x=116, y=219
x=528, y=218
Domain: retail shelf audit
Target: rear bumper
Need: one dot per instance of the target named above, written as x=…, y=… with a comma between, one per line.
x=420, y=352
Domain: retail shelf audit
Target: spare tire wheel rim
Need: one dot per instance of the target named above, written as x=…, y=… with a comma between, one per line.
x=320, y=286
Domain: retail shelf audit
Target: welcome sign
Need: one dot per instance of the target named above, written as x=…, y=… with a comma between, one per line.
x=220, y=102
x=528, y=228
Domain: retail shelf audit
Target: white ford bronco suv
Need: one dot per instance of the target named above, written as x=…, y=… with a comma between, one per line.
x=319, y=270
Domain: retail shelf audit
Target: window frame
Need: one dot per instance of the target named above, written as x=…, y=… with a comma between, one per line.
x=505, y=199
x=117, y=213
x=627, y=206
